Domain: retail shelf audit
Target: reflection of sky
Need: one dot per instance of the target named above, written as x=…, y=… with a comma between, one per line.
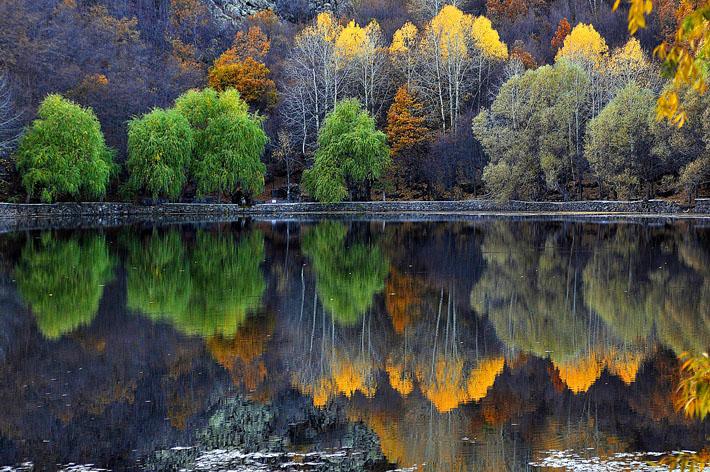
x=461, y=345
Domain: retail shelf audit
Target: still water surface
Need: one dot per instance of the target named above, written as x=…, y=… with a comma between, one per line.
x=346, y=346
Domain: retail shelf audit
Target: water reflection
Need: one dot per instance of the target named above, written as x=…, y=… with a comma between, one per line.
x=463, y=346
x=62, y=280
x=206, y=287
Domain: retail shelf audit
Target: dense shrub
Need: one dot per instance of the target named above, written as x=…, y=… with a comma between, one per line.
x=63, y=154
x=159, y=149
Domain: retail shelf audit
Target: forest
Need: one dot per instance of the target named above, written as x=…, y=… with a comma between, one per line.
x=166, y=100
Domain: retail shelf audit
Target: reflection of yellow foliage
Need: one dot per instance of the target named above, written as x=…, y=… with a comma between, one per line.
x=351, y=377
x=400, y=380
x=624, y=365
x=388, y=431
x=483, y=377
x=580, y=374
x=346, y=377
x=445, y=389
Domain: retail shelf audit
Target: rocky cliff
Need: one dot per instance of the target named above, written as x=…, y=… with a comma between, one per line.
x=231, y=11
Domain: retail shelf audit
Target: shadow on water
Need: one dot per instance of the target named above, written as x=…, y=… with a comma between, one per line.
x=353, y=345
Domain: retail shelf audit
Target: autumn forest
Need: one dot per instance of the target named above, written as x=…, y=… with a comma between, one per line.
x=370, y=99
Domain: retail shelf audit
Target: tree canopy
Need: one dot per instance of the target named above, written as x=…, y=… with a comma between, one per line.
x=351, y=153
x=63, y=153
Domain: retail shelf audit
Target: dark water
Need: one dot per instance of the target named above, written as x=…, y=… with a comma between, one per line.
x=491, y=345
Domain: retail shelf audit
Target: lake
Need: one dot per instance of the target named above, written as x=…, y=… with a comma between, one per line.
x=491, y=344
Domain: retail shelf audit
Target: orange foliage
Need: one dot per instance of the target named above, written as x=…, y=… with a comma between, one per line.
x=400, y=380
x=624, y=365
x=252, y=44
x=563, y=29
x=240, y=355
x=445, y=389
x=519, y=52
x=402, y=300
x=581, y=373
x=509, y=9
x=483, y=377
x=406, y=126
x=250, y=78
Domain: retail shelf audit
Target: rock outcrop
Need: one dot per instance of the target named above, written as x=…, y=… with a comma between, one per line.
x=232, y=11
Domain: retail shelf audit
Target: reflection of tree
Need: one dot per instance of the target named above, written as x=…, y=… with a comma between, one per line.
x=616, y=286
x=241, y=355
x=347, y=275
x=206, y=291
x=159, y=283
x=63, y=280
x=530, y=295
x=684, y=322
x=402, y=299
x=227, y=283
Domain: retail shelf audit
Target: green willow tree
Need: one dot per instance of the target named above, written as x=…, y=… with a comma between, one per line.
x=619, y=143
x=347, y=275
x=229, y=143
x=63, y=153
x=205, y=290
x=159, y=150
x=351, y=155
x=62, y=281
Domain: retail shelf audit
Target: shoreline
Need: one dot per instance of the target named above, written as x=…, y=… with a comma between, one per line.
x=18, y=217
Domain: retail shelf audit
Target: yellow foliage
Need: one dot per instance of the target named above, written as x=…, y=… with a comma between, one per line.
x=624, y=365
x=584, y=43
x=327, y=26
x=351, y=40
x=404, y=39
x=580, y=374
x=629, y=56
x=445, y=389
x=452, y=29
x=483, y=377
x=487, y=39
x=685, y=60
x=350, y=377
x=400, y=380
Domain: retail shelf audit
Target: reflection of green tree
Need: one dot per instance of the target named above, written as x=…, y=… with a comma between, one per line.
x=683, y=323
x=531, y=295
x=62, y=280
x=347, y=276
x=227, y=283
x=616, y=287
x=209, y=291
x=159, y=283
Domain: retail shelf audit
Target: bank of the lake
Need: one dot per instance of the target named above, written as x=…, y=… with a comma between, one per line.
x=16, y=216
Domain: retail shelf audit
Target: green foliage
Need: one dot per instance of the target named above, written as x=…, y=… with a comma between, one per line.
x=618, y=142
x=533, y=132
x=205, y=290
x=529, y=293
x=159, y=283
x=347, y=275
x=63, y=280
x=617, y=288
x=63, y=153
x=350, y=152
x=229, y=142
x=159, y=149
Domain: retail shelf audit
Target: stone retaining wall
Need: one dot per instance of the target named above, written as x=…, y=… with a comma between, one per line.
x=62, y=210
x=69, y=215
